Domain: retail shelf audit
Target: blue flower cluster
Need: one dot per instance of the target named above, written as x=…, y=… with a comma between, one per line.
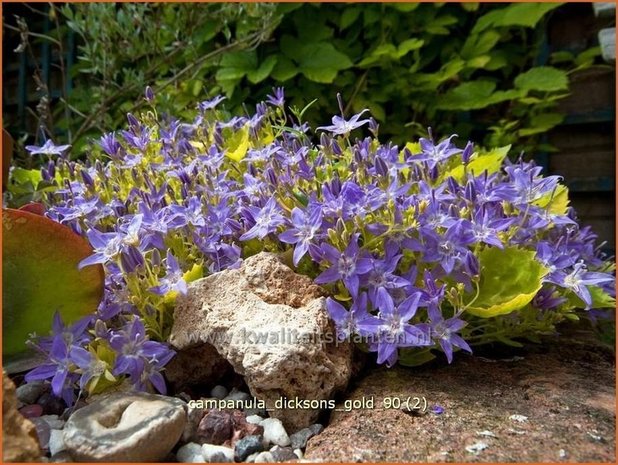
x=396, y=235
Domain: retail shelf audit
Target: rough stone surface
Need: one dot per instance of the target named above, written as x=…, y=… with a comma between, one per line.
x=565, y=388
x=134, y=427
x=194, y=416
x=243, y=428
x=194, y=366
x=266, y=299
x=19, y=437
x=247, y=446
x=216, y=427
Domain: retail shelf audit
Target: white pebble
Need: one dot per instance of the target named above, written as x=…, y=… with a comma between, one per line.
x=562, y=453
x=477, y=447
x=190, y=453
x=274, y=432
x=214, y=453
x=254, y=419
x=56, y=441
x=218, y=392
x=486, y=433
x=298, y=453
x=264, y=457
x=518, y=418
x=53, y=421
x=252, y=457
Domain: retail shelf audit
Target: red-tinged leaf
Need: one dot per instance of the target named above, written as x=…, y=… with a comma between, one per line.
x=34, y=207
x=40, y=276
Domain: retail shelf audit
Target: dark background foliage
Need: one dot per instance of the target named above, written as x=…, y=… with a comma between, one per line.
x=525, y=74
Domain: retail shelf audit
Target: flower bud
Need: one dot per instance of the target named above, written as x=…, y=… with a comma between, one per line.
x=133, y=122
x=467, y=152
x=149, y=94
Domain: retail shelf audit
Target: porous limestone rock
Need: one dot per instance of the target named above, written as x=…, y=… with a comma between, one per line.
x=19, y=438
x=272, y=326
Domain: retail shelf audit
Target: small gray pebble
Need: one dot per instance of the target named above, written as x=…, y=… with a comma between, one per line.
x=317, y=428
x=30, y=392
x=218, y=392
x=235, y=394
x=247, y=446
x=299, y=439
x=281, y=454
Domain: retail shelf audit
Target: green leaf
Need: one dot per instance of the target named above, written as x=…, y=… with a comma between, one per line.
x=321, y=62
x=517, y=14
x=542, y=123
x=258, y=75
x=238, y=144
x=479, y=44
x=349, y=15
x=543, y=78
x=509, y=280
x=409, y=45
x=478, y=62
x=491, y=162
x=284, y=70
x=236, y=65
x=40, y=276
x=556, y=202
x=467, y=96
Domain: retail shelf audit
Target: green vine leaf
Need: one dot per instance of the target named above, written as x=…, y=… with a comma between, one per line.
x=543, y=78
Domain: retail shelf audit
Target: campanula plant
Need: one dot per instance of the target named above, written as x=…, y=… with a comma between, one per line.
x=424, y=249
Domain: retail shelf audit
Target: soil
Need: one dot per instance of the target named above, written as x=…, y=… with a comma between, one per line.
x=549, y=402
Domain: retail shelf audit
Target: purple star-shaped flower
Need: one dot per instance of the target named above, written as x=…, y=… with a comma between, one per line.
x=173, y=280
x=347, y=265
x=578, y=281
x=395, y=329
x=306, y=226
x=266, y=220
x=48, y=148
x=139, y=357
x=341, y=126
x=435, y=153
x=443, y=331
x=354, y=321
